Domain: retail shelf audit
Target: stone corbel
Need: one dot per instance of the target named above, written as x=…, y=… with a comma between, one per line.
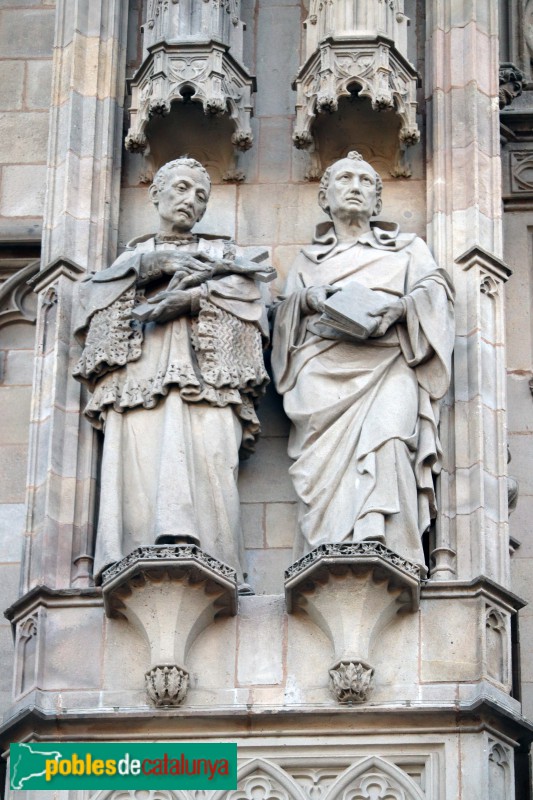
x=352, y=592
x=170, y=594
x=512, y=83
x=380, y=73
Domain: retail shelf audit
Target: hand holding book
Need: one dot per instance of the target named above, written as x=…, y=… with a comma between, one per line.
x=361, y=312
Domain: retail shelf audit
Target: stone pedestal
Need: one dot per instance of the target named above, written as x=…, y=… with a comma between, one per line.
x=170, y=593
x=352, y=592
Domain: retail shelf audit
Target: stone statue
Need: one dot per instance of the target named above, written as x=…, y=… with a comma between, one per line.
x=364, y=408
x=172, y=338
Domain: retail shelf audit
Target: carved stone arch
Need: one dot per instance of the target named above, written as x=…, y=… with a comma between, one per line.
x=500, y=771
x=18, y=303
x=139, y=794
x=496, y=636
x=352, y=783
x=282, y=785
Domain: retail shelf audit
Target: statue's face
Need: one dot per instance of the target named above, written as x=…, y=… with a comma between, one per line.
x=352, y=190
x=183, y=199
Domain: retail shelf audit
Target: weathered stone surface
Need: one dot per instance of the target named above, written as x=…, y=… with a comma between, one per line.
x=277, y=24
x=260, y=632
x=69, y=635
x=15, y=199
x=266, y=568
x=26, y=32
x=15, y=413
x=12, y=525
x=449, y=651
x=263, y=478
x=23, y=137
x=275, y=149
x=18, y=368
x=281, y=524
x=253, y=524
x=11, y=85
x=13, y=473
x=39, y=84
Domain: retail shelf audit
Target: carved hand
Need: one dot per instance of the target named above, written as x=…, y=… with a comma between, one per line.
x=389, y=315
x=170, y=305
x=169, y=262
x=316, y=296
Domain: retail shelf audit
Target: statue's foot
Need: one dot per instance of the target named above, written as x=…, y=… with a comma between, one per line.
x=177, y=539
x=245, y=590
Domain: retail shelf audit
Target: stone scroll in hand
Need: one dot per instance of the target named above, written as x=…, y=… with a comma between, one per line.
x=350, y=310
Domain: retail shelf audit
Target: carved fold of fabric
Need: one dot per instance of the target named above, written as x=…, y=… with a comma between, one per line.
x=113, y=339
x=120, y=394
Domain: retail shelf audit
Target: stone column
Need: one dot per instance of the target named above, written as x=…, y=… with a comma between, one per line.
x=79, y=233
x=465, y=234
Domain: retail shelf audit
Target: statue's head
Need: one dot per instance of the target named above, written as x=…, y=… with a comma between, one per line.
x=180, y=192
x=350, y=188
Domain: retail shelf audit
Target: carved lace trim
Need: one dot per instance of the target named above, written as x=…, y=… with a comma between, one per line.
x=229, y=350
x=130, y=393
x=113, y=339
x=229, y=354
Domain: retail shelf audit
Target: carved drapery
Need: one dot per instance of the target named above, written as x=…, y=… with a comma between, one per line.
x=352, y=45
x=192, y=51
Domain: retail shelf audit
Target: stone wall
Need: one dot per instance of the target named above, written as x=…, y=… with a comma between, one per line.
x=26, y=39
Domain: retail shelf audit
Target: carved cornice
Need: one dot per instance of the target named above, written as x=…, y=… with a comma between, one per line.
x=202, y=72
x=374, y=65
x=490, y=264
x=479, y=587
x=172, y=560
x=59, y=267
x=490, y=709
x=52, y=598
x=311, y=568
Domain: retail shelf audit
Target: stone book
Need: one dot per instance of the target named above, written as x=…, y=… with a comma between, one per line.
x=350, y=310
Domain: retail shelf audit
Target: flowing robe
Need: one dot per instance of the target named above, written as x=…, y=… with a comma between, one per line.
x=365, y=413
x=176, y=402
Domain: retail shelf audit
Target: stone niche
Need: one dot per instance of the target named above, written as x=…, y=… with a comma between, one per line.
x=355, y=49
x=192, y=59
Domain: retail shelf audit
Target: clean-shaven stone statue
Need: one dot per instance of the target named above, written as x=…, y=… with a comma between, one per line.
x=364, y=411
x=173, y=337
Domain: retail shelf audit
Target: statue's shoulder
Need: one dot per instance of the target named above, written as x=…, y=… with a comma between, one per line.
x=145, y=242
